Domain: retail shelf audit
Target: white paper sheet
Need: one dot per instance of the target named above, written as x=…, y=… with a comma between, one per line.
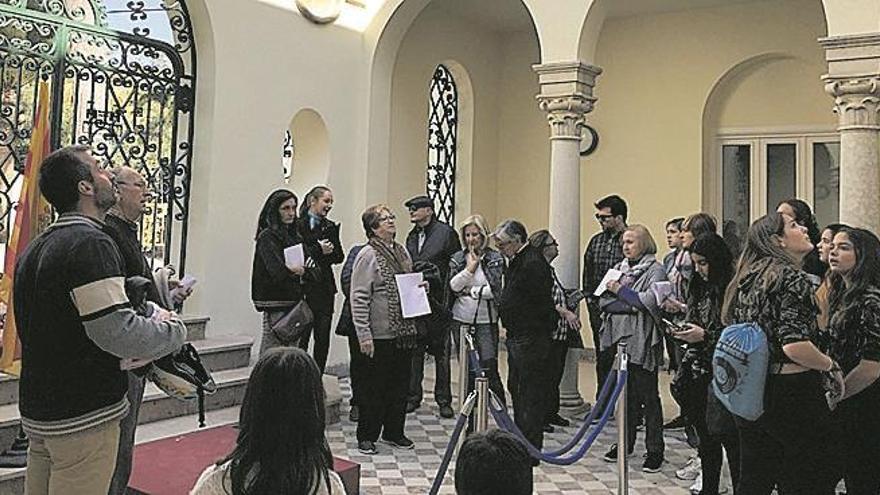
x=294, y=257
x=413, y=298
x=662, y=291
x=187, y=282
x=610, y=275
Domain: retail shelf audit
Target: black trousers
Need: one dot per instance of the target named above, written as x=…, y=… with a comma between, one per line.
x=712, y=441
x=555, y=370
x=442, y=375
x=355, y=368
x=857, y=427
x=787, y=446
x=643, y=394
x=321, y=330
x=382, y=395
x=604, y=359
x=527, y=382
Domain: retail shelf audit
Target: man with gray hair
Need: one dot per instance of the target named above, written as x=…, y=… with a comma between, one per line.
x=122, y=223
x=529, y=314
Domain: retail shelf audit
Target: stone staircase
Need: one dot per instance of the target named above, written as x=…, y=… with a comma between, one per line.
x=228, y=359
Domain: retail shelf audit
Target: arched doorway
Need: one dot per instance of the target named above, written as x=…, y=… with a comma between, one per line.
x=122, y=79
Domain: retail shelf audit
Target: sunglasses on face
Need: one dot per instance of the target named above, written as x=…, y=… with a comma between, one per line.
x=600, y=217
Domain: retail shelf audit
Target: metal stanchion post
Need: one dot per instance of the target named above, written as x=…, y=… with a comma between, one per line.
x=462, y=365
x=622, y=445
x=482, y=414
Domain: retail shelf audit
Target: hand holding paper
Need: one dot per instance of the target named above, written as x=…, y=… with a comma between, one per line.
x=413, y=296
x=294, y=256
x=610, y=275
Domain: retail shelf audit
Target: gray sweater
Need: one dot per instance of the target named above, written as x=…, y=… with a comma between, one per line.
x=369, y=298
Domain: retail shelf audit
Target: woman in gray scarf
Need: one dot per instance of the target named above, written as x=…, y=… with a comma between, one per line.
x=630, y=315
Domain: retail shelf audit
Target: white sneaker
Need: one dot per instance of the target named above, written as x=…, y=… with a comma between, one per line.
x=697, y=487
x=691, y=470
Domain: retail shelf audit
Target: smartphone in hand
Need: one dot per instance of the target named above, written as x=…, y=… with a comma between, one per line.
x=673, y=327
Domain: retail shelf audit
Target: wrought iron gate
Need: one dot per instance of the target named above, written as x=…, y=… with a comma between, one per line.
x=129, y=95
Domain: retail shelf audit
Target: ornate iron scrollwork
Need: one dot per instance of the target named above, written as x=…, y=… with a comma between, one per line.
x=117, y=85
x=442, y=143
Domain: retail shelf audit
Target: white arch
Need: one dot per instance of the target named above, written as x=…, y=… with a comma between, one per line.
x=384, y=36
x=711, y=197
x=311, y=150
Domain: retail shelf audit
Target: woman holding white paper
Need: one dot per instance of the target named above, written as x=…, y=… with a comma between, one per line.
x=386, y=338
x=630, y=311
x=276, y=287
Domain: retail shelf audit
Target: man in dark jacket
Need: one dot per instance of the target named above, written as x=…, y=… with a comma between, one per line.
x=434, y=242
x=529, y=314
x=75, y=323
x=122, y=225
x=320, y=238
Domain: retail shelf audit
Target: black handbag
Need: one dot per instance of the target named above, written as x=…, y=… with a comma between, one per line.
x=294, y=324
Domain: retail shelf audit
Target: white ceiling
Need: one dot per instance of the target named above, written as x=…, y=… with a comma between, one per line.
x=512, y=15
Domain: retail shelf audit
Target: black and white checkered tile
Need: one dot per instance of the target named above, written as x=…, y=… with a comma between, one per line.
x=412, y=471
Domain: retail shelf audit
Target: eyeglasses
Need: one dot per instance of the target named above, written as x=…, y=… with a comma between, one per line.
x=412, y=208
x=140, y=185
x=386, y=218
x=600, y=217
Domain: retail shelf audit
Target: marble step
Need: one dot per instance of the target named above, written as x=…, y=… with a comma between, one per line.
x=12, y=480
x=218, y=353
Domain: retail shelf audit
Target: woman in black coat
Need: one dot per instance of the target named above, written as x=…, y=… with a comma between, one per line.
x=275, y=287
x=320, y=237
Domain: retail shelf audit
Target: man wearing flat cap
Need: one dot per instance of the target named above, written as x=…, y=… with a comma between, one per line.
x=434, y=242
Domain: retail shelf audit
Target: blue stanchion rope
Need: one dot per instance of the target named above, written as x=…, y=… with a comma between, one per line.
x=504, y=421
x=473, y=357
x=450, y=449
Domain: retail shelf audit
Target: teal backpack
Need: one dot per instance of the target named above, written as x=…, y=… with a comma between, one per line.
x=739, y=366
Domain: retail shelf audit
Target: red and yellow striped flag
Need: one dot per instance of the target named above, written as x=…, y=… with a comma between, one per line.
x=31, y=215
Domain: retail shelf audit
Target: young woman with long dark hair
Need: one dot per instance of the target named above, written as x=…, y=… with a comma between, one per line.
x=855, y=343
x=281, y=447
x=826, y=241
x=713, y=270
x=803, y=215
x=786, y=445
x=275, y=287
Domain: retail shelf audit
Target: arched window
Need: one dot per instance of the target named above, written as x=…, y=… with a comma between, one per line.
x=442, y=146
x=121, y=75
x=287, y=157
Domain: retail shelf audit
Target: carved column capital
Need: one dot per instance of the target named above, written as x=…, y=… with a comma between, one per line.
x=566, y=95
x=566, y=114
x=856, y=102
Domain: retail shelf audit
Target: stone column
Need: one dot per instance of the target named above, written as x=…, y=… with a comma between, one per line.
x=567, y=96
x=853, y=80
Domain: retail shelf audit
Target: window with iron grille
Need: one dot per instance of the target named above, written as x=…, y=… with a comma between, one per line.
x=442, y=145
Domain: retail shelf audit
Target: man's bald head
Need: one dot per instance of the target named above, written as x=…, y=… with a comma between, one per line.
x=133, y=196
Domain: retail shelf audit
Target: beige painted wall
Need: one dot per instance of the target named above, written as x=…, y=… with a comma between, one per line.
x=658, y=72
x=505, y=114
x=251, y=84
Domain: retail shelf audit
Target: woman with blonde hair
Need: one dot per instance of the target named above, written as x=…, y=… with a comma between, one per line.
x=474, y=282
x=630, y=314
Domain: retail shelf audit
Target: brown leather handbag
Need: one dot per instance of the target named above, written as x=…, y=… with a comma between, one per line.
x=294, y=324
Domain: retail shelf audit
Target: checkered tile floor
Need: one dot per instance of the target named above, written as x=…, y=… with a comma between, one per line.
x=413, y=471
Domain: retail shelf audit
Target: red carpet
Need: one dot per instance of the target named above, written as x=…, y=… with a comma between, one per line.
x=171, y=466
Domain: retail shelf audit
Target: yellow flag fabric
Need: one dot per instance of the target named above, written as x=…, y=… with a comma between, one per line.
x=32, y=214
